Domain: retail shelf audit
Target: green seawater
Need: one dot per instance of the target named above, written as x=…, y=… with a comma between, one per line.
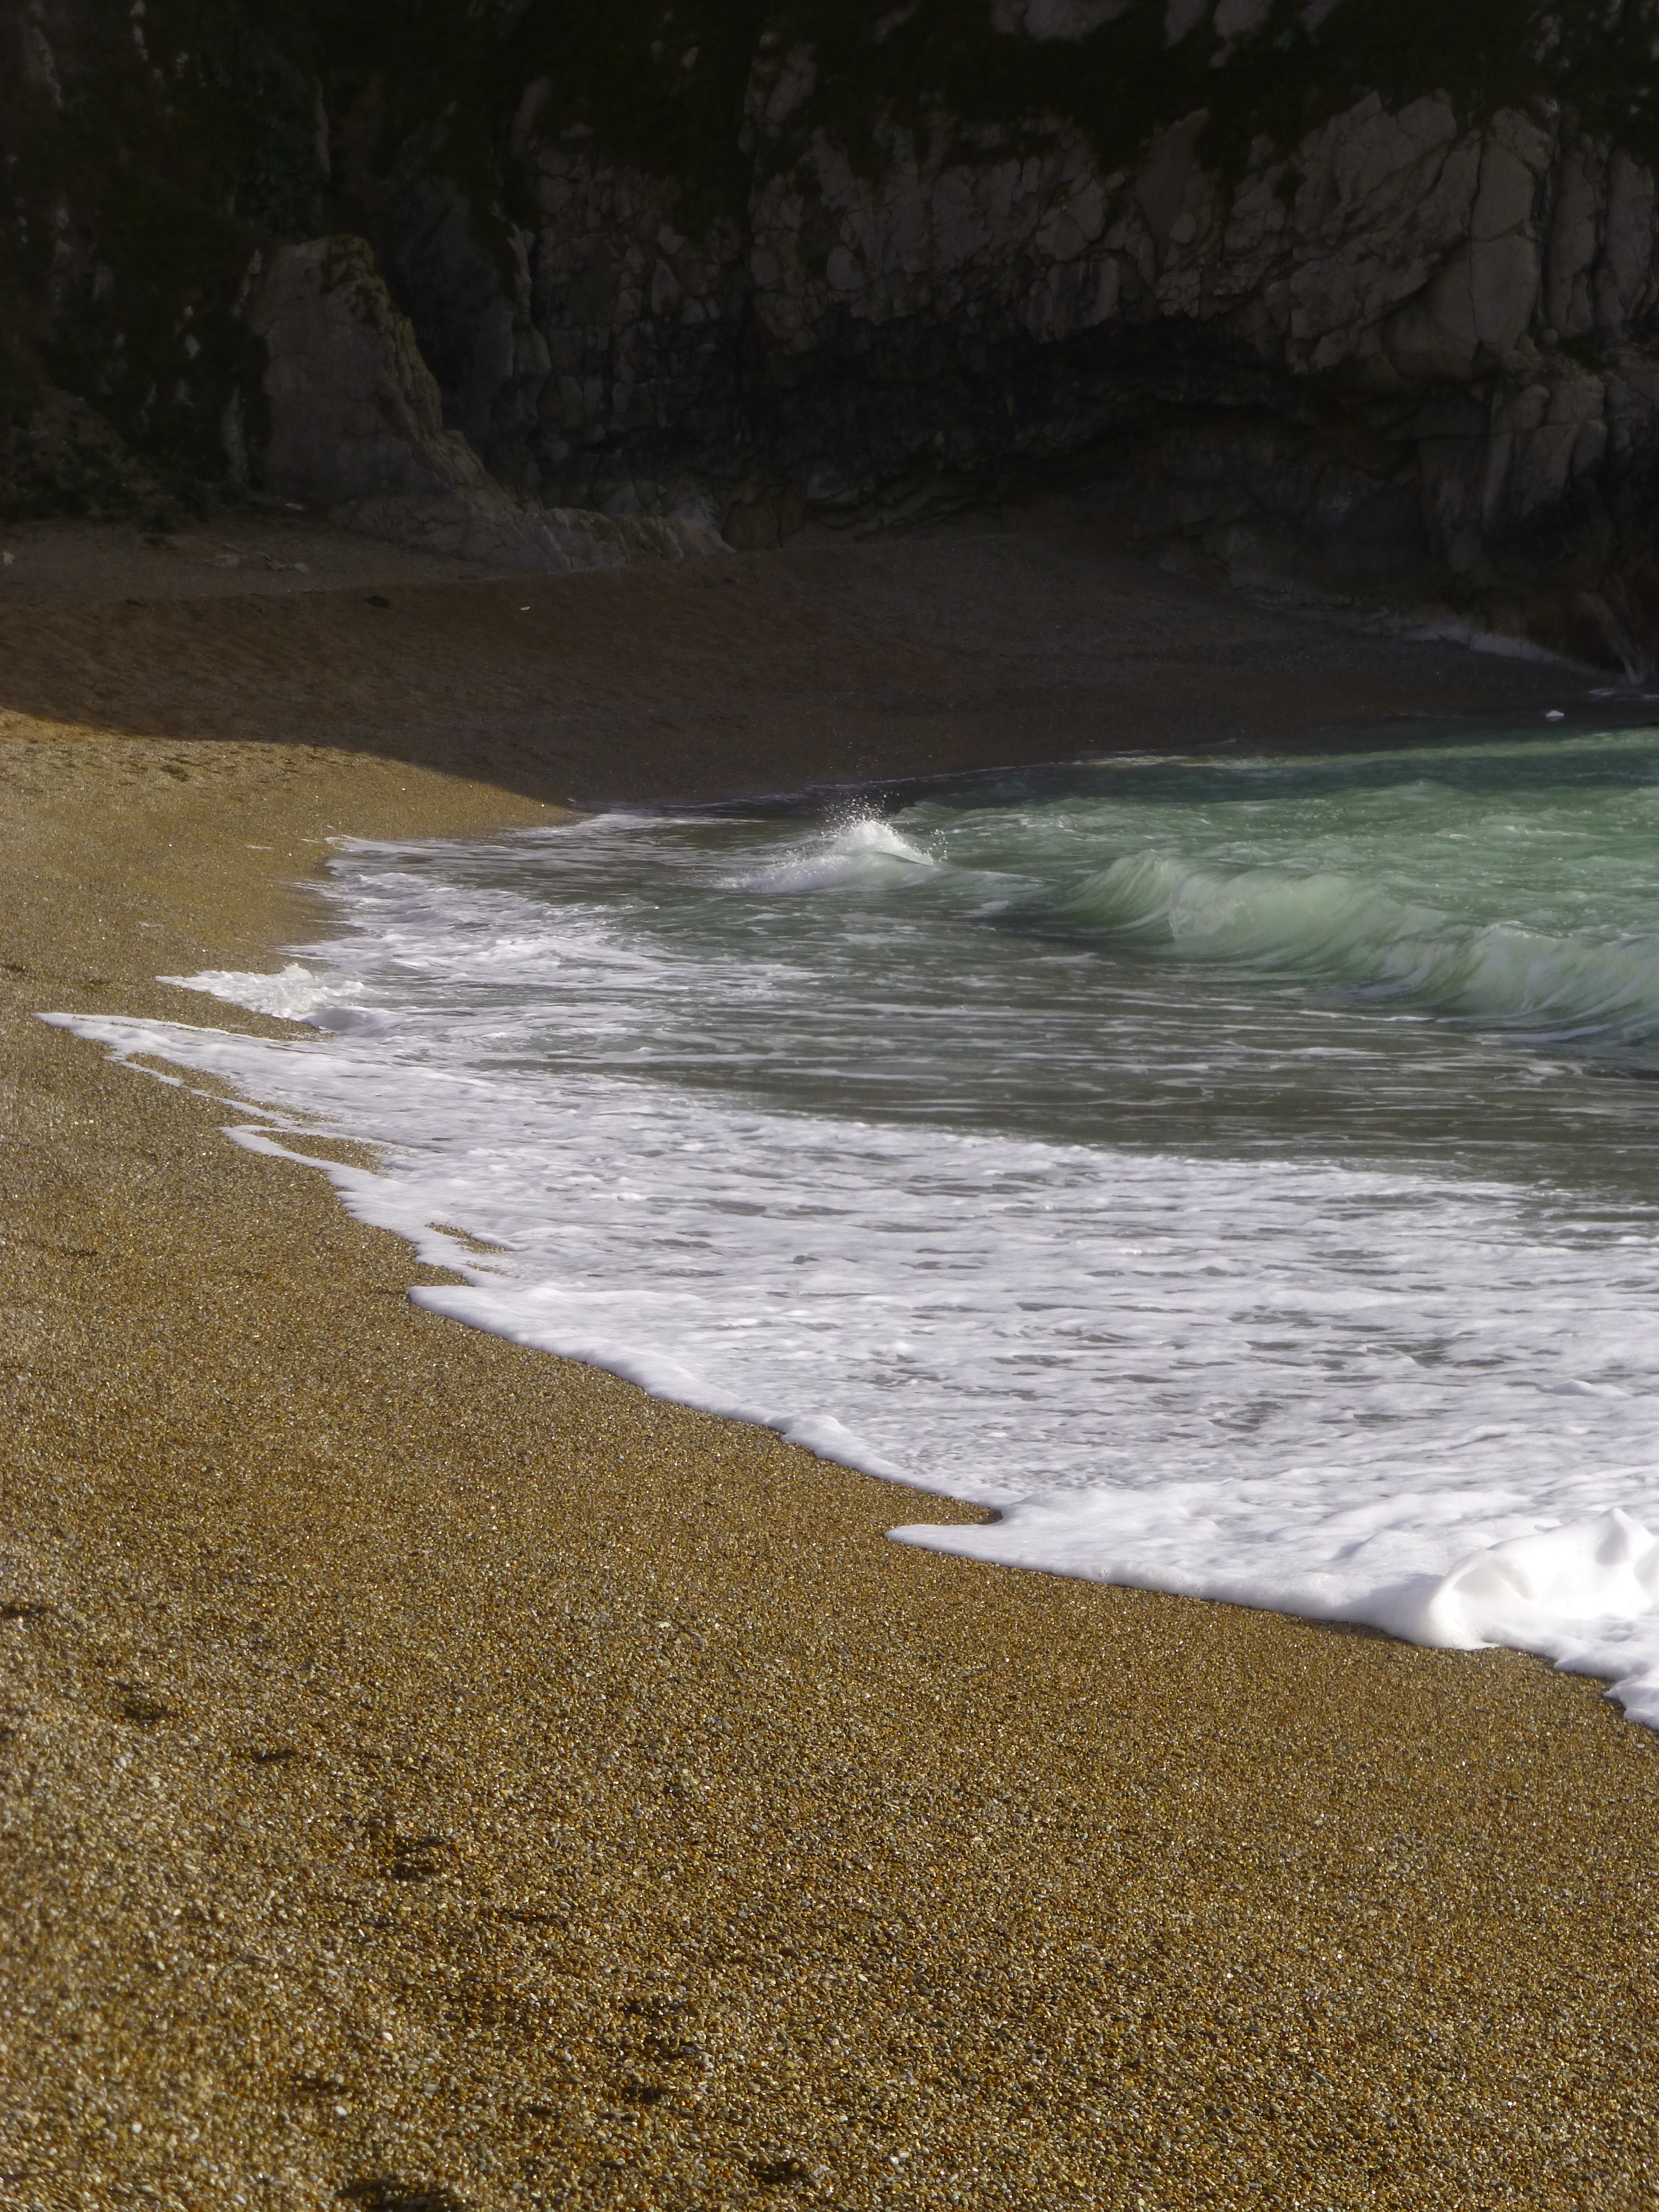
x=1447, y=954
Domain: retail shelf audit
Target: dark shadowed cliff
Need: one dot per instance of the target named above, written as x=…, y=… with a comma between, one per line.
x=1353, y=294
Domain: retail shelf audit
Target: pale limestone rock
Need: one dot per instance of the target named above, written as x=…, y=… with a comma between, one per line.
x=1575, y=239
x=1503, y=202
x=1419, y=261
x=1072, y=224
x=1011, y=238
x=1624, y=281
x=354, y=409
x=1516, y=421
x=1599, y=271
x=1504, y=281
x=1236, y=19
x=531, y=100
x=1055, y=19
x=1402, y=183
x=1077, y=296
x=40, y=62
x=1253, y=240
x=357, y=426
x=1173, y=184
x=1434, y=339
x=1530, y=141
x=1181, y=18
x=1131, y=240
x=796, y=81
x=1631, y=413
x=1382, y=199
x=1485, y=297
x=1545, y=439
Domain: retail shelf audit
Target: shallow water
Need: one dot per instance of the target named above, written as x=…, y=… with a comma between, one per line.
x=1240, y=1171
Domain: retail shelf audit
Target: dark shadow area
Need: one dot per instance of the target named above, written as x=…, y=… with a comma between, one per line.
x=769, y=672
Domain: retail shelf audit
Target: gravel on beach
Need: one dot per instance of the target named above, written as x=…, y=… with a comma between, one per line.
x=435, y=1775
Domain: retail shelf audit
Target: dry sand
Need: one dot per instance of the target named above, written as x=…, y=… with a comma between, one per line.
x=436, y=1774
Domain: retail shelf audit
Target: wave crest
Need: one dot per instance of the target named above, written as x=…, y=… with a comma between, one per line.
x=865, y=851
x=1336, y=928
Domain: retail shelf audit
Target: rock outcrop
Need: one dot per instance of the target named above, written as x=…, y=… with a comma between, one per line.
x=355, y=427
x=1407, y=347
x=1330, y=295
x=354, y=409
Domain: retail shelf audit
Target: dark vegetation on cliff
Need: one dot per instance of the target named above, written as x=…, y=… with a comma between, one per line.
x=495, y=153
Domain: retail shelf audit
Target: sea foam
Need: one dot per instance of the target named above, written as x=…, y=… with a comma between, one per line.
x=1180, y=1275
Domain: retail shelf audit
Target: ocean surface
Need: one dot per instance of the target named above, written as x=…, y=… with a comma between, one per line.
x=1240, y=1171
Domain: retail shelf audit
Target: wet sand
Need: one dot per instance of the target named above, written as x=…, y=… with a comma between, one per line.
x=435, y=1774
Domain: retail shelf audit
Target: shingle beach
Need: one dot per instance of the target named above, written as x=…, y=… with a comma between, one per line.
x=436, y=1775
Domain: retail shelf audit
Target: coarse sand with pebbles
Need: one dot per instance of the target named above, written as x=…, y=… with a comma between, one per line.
x=437, y=1774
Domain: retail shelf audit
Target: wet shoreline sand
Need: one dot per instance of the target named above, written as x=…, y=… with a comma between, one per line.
x=433, y=1767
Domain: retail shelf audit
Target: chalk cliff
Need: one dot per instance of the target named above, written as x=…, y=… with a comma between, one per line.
x=1355, y=294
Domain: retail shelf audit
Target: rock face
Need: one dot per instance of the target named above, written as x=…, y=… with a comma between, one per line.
x=354, y=411
x=355, y=426
x=1407, y=347
x=1317, y=304
x=1467, y=307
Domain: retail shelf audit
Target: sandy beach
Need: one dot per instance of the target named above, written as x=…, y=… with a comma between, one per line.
x=438, y=1776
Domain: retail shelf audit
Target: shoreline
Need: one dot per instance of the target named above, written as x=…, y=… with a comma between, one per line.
x=433, y=1760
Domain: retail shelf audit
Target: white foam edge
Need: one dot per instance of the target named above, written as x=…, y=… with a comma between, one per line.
x=370, y=1200
x=1511, y=1594
x=1572, y=1593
